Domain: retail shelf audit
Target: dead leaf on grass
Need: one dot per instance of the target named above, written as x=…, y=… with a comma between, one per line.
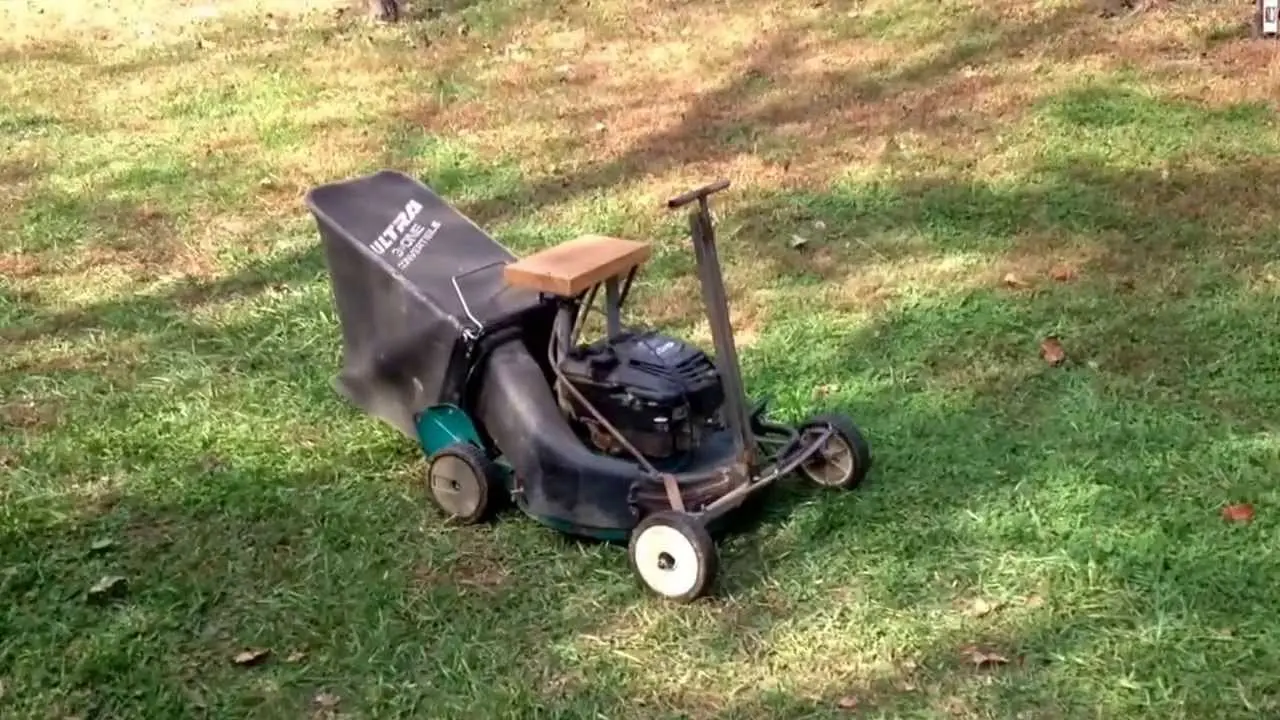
x=326, y=700
x=296, y=656
x=108, y=587
x=848, y=702
x=1033, y=601
x=251, y=657
x=1052, y=351
x=1013, y=282
x=1238, y=513
x=981, y=607
x=984, y=657
x=102, y=544
x=1063, y=273
x=798, y=242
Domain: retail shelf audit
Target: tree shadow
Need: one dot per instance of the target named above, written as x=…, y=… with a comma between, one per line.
x=883, y=99
x=61, y=52
x=996, y=474
x=1093, y=485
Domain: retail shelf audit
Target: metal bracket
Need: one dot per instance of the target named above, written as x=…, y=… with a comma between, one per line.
x=673, y=492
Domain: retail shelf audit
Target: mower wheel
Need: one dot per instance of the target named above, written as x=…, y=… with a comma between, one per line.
x=461, y=481
x=843, y=461
x=674, y=556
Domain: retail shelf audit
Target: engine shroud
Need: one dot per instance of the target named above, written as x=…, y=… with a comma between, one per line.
x=658, y=391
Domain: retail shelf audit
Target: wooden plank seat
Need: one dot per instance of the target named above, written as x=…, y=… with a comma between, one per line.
x=573, y=267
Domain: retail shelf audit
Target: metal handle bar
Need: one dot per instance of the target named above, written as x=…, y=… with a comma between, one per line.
x=700, y=193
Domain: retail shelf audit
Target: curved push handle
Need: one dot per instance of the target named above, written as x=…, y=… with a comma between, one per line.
x=700, y=193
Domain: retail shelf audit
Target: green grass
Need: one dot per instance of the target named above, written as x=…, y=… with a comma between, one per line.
x=168, y=342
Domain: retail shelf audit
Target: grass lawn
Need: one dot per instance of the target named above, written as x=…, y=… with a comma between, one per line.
x=971, y=178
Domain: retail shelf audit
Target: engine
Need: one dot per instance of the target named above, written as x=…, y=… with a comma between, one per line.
x=659, y=392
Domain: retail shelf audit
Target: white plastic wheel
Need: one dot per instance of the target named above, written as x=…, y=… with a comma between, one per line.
x=674, y=556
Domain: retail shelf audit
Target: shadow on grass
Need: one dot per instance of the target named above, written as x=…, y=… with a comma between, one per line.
x=887, y=99
x=1123, y=223
x=248, y=507
x=267, y=525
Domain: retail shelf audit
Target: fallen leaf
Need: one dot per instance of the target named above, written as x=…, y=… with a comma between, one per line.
x=251, y=657
x=327, y=700
x=1063, y=273
x=798, y=242
x=1013, y=281
x=108, y=586
x=848, y=702
x=1033, y=601
x=984, y=657
x=1239, y=513
x=102, y=544
x=980, y=607
x=1052, y=351
x=296, y=656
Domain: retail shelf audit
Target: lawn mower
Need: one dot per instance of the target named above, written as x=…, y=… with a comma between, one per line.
x=635, y=437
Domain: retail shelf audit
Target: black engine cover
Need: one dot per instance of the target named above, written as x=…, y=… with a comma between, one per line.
x=658, y=391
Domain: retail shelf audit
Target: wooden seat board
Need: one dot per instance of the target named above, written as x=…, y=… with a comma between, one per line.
x=573, y=267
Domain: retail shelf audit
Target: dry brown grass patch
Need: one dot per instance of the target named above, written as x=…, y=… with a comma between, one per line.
x=678, y=302
x=19, y=266
x=477, y=566
x=770, y=95
x=135, y=23
x=29, y=414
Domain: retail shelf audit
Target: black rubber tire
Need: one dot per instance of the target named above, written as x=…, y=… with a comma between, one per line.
x=676, y=543
x=478, y=478
x=855, y=445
